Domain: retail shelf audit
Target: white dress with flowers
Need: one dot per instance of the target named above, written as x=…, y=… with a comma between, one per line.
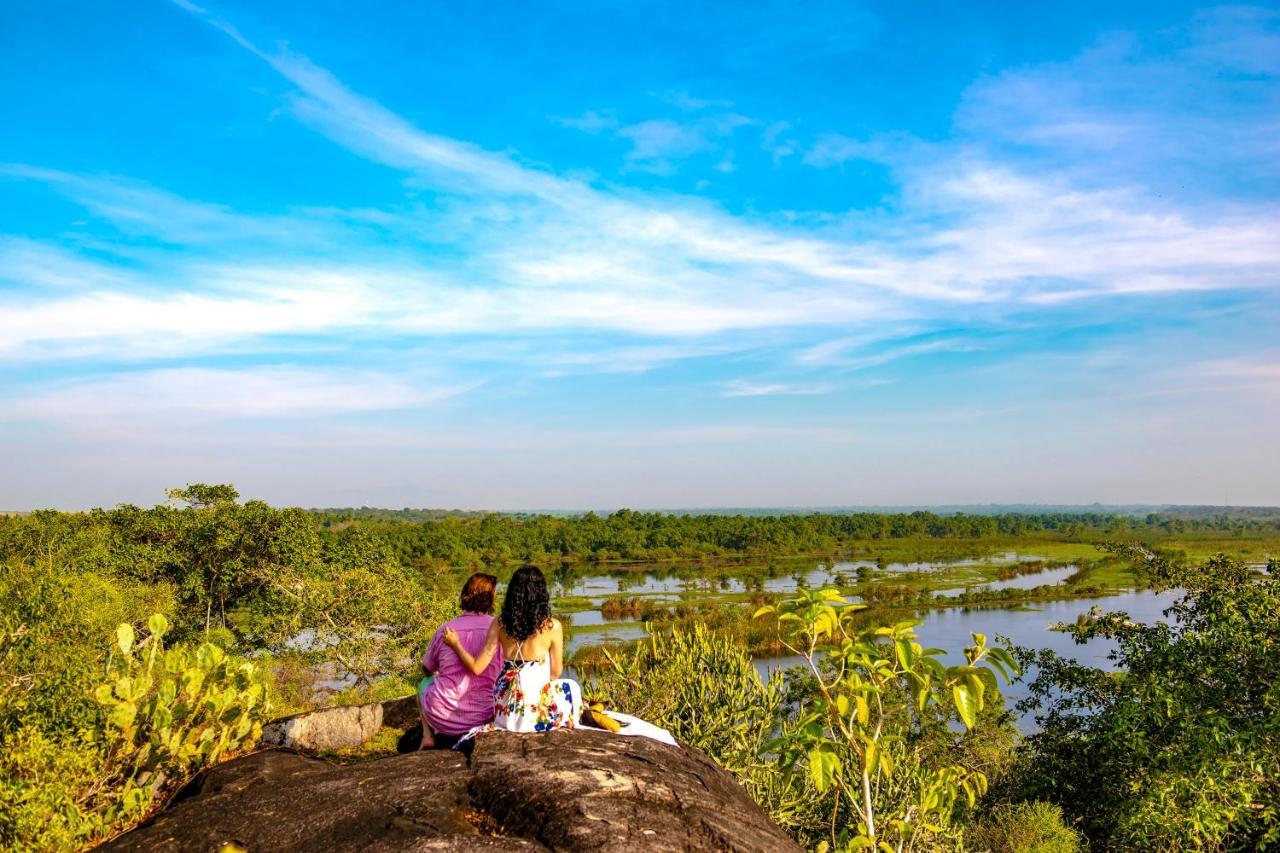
x=527, y=699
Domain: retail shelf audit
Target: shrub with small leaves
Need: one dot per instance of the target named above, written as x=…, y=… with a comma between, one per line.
x=1035, y=827
x=44, y=781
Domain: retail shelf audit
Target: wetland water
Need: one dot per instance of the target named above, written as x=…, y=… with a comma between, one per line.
x=663, y=586
x=1026, y=624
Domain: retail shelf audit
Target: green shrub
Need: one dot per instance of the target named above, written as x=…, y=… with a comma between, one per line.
x=707, y=692
x=859, y=734
x=162, y=715
x=54, y=621
x=1181, y=749
x=44, y=782
x=1035, y=827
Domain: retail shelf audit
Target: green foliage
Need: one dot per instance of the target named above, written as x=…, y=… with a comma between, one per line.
x=171, y=711
x=1035, y=827
x=347, y=602
x=44, y=782
x=1180, y=747
x=872, y=692
x=354, y=610
x=707, y=692
x=256, y=578
x=203, y=495
x=425, y=538
x=54, y=621
x=163, y=714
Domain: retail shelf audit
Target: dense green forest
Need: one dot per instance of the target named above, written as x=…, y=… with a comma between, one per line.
x=137, y=645
x=628, y=535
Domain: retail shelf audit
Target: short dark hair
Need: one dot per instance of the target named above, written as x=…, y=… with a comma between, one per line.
x=477, y=593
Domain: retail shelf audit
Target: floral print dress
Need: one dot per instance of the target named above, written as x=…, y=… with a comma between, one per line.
x=527, y=699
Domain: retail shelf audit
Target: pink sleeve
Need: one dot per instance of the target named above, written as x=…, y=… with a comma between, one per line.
x=431, y=660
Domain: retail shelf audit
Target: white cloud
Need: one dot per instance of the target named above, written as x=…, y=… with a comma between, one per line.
x=834, y=149
x=659, y=139
x=253, y=393
x=529, y=251
x=135, y=324
x=772, y=141
x=30, y=264
x=743, y=388
x=1192, y=100
x=856, y=353
x=1266, y=369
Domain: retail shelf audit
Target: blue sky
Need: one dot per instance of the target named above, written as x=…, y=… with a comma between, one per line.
x=561, y=255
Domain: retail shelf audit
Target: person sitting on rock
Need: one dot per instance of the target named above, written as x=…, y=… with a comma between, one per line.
x=529, y=695
x=459, y=699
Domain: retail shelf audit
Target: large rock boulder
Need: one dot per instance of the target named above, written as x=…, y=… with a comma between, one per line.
x=347, y=727
x=332, y=728
x=574, y=790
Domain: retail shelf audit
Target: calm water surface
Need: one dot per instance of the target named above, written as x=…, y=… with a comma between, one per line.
x=950, y=628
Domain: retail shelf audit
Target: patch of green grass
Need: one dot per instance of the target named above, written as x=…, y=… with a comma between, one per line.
x=572, y=603
x=382, y=744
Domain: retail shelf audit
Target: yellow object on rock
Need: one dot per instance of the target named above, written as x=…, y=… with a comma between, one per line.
x=597, y=717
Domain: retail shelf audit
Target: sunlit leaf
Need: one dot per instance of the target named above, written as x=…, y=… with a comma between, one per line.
x=124, y=637
x=966, y=704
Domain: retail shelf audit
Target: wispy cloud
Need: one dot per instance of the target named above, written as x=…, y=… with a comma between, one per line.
x=508, y=249
x=744, y=388
x=1157, y=108
x=855, y=353
x=253, y=393
x=536, y=250
x=658, y=144
x=589, y=122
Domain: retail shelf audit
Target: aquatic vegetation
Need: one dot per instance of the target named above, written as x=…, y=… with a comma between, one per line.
x=618, y=608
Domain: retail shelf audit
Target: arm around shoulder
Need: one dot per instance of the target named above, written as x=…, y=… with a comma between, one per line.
x=479, y=663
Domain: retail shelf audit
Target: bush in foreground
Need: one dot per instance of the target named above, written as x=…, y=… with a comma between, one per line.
x=1023, y=828
x=164, y=714
x=1179, y=748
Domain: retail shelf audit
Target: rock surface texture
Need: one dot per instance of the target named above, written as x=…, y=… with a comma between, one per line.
x=565, y=790
x=341, y=728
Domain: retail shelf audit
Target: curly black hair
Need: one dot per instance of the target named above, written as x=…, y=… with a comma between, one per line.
x=526, y=608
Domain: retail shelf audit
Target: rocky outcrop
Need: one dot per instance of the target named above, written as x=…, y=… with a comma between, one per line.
x=566, y=790
x=341, y=728
x=332, y=728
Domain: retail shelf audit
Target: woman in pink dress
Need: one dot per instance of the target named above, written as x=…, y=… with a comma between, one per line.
x=459, y=700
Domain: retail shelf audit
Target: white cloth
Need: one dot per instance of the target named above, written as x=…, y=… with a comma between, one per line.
x=636, y=727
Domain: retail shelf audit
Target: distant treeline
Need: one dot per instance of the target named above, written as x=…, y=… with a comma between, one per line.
x=139, y=539
x=1183, y=511
x=630, y=535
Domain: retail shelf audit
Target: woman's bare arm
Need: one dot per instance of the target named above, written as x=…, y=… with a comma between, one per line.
x=480, y=662
x=557, y=648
